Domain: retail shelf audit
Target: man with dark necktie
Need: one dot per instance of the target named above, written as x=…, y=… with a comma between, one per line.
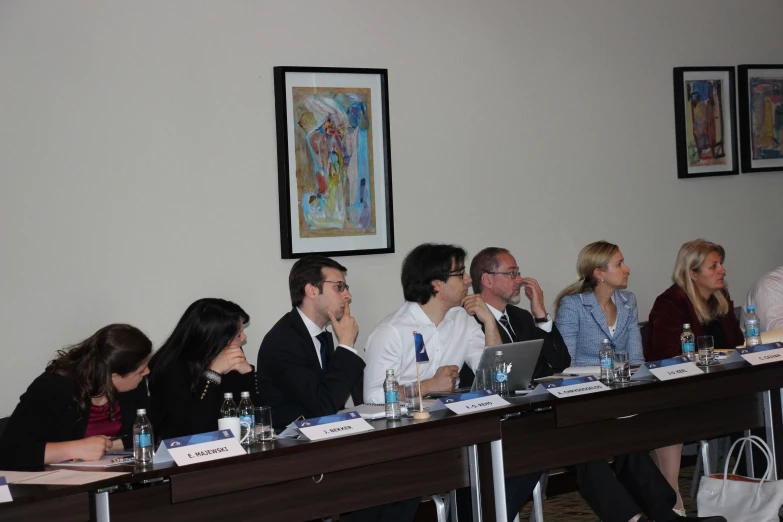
x=632, y=484
x=300, y=371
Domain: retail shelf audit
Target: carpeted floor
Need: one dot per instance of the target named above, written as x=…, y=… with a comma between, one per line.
x=569, y=507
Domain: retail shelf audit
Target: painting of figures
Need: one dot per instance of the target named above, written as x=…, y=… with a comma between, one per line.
x=761, y=117
x=334, y=163
x=704, y=121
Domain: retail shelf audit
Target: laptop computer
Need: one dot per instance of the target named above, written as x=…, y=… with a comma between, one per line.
x=521, y=358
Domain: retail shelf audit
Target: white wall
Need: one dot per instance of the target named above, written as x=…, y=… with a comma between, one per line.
x=138, y=163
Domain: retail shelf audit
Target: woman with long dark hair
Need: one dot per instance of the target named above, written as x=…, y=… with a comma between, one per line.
x=200, y=361
x=87, y=396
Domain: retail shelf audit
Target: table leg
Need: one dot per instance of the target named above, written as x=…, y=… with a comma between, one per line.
x=475, y=484
x=498, y=475
x=102, y=507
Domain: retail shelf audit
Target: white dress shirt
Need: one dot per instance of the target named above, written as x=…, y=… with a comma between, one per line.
x=767, y=296
x=456, y=340
x=314, y=330
x=547, y=326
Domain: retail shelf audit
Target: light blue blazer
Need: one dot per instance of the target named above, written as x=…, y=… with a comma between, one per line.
x=582, y=323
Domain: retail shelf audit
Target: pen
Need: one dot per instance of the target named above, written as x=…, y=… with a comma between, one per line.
x=118, y=437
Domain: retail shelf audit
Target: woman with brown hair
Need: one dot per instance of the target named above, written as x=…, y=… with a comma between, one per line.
x=86, y=397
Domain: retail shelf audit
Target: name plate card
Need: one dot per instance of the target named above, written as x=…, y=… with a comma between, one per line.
x=570, y=387
x=761, y=354
x=667, y=369
x=331, y=426
x=5, y=493
x=202, y=447
x=472, y=402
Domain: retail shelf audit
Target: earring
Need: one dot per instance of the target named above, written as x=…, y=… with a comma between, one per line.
x=602, y=279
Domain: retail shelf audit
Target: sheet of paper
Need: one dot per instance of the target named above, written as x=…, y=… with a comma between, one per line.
x=5, y=493
x=368, y=411
x=582, y=370
x=12, y=477
x=106, y=461
x=64, y=477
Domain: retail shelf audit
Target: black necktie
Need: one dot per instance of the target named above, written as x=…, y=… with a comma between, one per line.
x=323, y=338
x=504, y=321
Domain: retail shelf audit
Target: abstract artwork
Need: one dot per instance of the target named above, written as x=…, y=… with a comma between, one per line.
x=334, y=163
x=761, y=117
x=705, y=127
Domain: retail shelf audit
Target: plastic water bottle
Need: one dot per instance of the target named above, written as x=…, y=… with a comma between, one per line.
x=752, y=328
x=229, y=408
x=606, y=358
x=247, y=414
x=391, y=392
x=142, y=439
x=687, y=342
x=500, y=375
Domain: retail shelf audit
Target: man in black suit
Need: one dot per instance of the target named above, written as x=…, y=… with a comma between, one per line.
x=301, y=373
x=497, y=279
x=632, y=484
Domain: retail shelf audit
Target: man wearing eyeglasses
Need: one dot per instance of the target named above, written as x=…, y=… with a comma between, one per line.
x=496, y=278
x=435, y=285
x=300, y=371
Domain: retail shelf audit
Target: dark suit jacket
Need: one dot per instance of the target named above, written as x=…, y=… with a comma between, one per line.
x=176, y=411
x=47, y=413
x=290, y=378
x=671, y=310
x=554, y=356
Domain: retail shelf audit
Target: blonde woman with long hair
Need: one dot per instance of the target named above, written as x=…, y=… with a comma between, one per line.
x=699, y=297
x=598, y=307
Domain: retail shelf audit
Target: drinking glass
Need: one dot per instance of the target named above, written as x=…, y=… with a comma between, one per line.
x=411, y=394
x=484, y=379
x=622, y=367
x=263, y=416
x=705, y=345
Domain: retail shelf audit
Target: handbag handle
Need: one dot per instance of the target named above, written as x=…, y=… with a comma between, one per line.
x=754, y=440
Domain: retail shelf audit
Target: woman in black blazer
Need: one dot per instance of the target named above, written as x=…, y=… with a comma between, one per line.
x=88, y=394
x=200, y=361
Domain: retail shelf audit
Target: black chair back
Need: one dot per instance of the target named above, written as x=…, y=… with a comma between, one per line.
x=3, y=422
x=357, y=392
x=644, y=329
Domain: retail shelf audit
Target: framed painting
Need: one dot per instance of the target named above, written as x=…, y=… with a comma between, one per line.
x=761, y=117
x=705, y=127
x=334, y=161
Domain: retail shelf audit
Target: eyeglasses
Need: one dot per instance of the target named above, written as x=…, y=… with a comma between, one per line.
x=342, y=286
x=512, y=275
x=461, y=273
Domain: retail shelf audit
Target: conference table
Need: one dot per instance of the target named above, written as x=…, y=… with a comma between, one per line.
x=299, y=480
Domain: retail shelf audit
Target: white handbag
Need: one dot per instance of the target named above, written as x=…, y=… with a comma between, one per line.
x=742, y=499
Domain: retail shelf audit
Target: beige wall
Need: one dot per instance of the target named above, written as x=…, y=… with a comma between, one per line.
x=138, y=163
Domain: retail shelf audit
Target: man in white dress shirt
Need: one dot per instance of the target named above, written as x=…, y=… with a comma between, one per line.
x=435, y=285
x=767, y=296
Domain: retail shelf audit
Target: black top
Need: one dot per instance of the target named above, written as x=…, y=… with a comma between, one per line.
x=47, y=412
x=176, y=411
x=290, y=377
x=715, y=329
x=554, y=356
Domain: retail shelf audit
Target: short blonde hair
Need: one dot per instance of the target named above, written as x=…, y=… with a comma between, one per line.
x=691, y=257
x=595, y=255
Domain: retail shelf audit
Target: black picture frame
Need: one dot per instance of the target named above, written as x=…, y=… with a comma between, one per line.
x=765, y=138
x=710, y=150
x=333, y=153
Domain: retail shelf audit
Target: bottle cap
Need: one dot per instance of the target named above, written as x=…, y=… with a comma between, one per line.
x=686, y=326
x=498, y=352
x=245, y=395
x=141, y=411
x=606, y=341
x=389, y=372
x=751, y=308
x=228, y=395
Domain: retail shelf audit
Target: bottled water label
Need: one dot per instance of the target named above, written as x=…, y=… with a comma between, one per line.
x=247, y=418
x=688, y=348
x=143, y=440
x=752, y=331
x=500, y=376
x=392, y=396
x=607, y=363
